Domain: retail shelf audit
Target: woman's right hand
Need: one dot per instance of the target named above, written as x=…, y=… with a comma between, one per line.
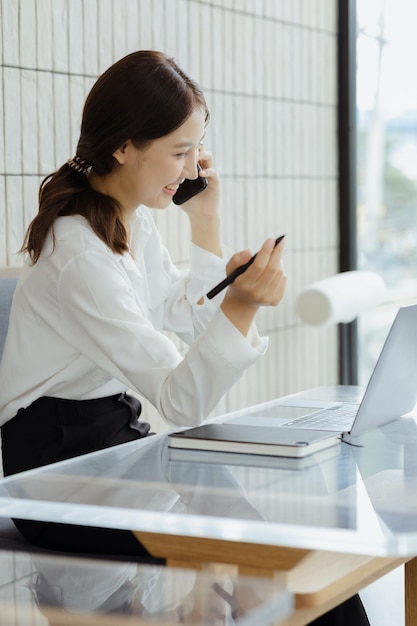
x=262, y=284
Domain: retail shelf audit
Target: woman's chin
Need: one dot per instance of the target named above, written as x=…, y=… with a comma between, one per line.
x=164, y=201
x=159, y=203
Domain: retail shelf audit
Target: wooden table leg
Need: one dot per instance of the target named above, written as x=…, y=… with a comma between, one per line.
x=410, y=581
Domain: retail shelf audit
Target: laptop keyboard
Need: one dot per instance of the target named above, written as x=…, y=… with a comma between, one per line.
x=338, y=419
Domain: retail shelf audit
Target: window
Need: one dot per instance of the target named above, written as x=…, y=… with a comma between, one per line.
x=386, y=96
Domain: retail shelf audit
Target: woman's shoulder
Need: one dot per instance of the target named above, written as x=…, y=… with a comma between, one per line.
x=67, y=224
x=73, y=247
x=72, y=236
x=75, y=232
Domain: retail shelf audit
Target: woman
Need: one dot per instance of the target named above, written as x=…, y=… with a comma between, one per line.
x=98, y=289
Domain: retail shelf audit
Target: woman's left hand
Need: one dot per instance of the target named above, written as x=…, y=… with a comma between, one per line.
x=206, y=203
x=203, y=208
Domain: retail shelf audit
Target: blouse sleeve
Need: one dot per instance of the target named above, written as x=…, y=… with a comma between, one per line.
x=176, y=297
x=104, y=320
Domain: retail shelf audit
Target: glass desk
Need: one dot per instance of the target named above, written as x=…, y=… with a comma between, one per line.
x=262, y=514
x=81, y=592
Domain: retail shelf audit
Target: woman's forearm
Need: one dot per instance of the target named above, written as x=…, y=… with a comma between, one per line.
x=205, y=233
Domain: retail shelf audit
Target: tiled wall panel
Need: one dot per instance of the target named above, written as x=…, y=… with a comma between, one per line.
x=268, y=68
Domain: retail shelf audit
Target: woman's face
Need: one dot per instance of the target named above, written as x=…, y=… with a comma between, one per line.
x=151, y=176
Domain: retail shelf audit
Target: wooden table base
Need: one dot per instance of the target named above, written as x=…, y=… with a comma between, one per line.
x=319, y=580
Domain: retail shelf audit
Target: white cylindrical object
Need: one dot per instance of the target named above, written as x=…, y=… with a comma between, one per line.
x=340, y=298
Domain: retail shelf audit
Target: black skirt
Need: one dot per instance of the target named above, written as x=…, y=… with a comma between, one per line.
x=55, y=429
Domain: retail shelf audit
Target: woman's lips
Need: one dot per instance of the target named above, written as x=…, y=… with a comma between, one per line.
x=171, y=189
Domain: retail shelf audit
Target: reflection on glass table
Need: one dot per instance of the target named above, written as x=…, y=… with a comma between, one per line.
x=84, y=591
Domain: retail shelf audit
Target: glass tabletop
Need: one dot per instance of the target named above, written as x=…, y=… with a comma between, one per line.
x=68, y=590
x=361, y=498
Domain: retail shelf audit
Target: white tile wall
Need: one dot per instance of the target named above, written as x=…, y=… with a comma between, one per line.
x=268, y=68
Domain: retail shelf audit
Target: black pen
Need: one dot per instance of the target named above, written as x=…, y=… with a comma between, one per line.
x=237, y=272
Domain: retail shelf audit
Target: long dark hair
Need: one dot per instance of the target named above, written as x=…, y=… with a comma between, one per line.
x=142, y=97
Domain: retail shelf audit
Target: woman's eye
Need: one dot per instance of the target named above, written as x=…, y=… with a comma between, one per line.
x=181, y=155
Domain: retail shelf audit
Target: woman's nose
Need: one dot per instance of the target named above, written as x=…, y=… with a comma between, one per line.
x=190, y=170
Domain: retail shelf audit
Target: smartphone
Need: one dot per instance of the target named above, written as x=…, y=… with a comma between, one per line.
x=189, y=188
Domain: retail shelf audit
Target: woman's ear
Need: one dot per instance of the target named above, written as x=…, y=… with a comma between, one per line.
x=121, y=153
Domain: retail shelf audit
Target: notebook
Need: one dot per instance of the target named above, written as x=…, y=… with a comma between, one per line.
x=251, y=439
x=204, y=457
x=391, y=393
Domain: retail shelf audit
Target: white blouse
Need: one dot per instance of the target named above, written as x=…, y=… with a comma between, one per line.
x=87, y=323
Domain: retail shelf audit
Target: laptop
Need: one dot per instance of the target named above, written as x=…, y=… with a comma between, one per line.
x=299, y=426
x=390, y=394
